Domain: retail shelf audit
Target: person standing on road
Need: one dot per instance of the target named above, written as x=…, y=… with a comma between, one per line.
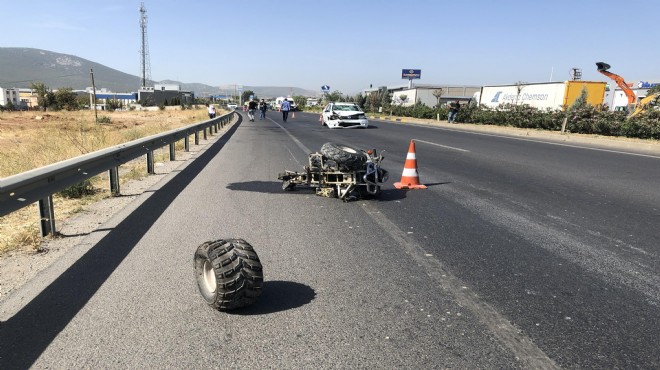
x=262, y=109
x=211, y=111
x=286, y=107
x=454, y=107
x=252, y=106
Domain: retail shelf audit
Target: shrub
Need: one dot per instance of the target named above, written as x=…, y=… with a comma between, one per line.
x=104, y=119
x=78, y=190
x=582, y=118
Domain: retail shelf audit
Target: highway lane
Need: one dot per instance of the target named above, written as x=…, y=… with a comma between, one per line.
x=519, y=249
x=562, y=240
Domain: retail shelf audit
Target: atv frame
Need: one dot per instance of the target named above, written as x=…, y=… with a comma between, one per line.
x=332, y=178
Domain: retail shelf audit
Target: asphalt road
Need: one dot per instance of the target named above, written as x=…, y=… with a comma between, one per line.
x=520, y=254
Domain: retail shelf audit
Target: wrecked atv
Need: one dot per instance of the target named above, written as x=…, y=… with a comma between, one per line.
x=339, y=171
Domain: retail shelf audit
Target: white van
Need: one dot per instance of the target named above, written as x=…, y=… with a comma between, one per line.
x=278, y=103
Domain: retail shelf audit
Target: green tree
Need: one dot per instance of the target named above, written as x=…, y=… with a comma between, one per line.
x=83, y=101
x=42, y=92
x=654, y=89
x=51, y=101
x=66, y=99
x=360, y=100
x=245, y=96
x=300, y=100
x=373, y=101
x=580, y=101
x=334, y=96
x=385, y=99
x=112, y=104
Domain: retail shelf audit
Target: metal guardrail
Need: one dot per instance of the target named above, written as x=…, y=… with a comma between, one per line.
x=40, y=184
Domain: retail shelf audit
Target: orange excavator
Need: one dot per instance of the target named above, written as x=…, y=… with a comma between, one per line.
x=603, y=68
x=652, y=100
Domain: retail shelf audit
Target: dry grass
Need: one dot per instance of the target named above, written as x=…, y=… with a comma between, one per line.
x=31, y=140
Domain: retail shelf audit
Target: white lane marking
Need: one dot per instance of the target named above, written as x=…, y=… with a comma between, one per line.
x=521, y=345
x=543, y=142
x=440, y=145
x=295, y=140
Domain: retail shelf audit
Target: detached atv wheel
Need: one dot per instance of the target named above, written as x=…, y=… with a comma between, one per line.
x=229, y=273
x=347, y=158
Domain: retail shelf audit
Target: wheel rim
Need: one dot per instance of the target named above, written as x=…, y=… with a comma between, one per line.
x=208, y=277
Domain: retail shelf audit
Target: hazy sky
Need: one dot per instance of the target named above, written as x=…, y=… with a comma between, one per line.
x=348, y=45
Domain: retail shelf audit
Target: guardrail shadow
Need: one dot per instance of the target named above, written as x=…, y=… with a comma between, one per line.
x=25, y=336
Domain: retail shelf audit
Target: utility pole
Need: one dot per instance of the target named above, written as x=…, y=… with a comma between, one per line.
x=96, y=115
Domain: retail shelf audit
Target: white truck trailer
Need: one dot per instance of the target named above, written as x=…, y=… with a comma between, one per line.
x=545, y=95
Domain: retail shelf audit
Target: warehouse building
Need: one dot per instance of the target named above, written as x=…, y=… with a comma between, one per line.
x=430, y=95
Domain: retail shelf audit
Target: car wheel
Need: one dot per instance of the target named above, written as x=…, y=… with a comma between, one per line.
x=228, y=272
x=347, y=158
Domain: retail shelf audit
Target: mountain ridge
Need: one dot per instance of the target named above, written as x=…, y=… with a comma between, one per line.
x=57, y=70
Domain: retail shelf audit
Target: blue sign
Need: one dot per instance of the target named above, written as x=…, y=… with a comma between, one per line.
x=411, y=74
x=646, y=85
x=325, y=88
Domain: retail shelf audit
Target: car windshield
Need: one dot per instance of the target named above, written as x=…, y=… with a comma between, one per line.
x=346, y=107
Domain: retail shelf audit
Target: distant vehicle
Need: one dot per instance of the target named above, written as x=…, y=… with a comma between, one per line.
x=344, y=115
x=232, y=106
x=277, y=104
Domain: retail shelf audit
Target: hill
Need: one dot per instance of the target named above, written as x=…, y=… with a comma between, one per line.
x=19, y=67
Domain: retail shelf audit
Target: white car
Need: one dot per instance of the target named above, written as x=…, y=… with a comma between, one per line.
x=232, y=106
x=344, y=115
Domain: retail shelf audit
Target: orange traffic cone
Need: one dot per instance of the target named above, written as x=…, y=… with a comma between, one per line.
x=293, y=114
x=410, y=178
x=320, y=117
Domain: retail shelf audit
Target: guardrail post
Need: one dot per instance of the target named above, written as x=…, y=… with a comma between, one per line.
x=47, y=215
x=114, y=181
x=173, y=151
x=150, y=162
x=222, y=123
x=204, y=133
x=186, y=143
x=196, y=137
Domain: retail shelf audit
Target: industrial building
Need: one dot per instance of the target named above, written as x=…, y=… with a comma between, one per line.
x=430, y=95
x=164, y=94
x=616, y=99
x=10, y=96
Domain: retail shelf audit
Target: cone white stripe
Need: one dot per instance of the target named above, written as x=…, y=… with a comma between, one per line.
x=411, y=156
x=410, y=172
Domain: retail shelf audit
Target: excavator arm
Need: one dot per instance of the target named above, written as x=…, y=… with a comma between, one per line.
x=652, y=100
x=603, y=68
